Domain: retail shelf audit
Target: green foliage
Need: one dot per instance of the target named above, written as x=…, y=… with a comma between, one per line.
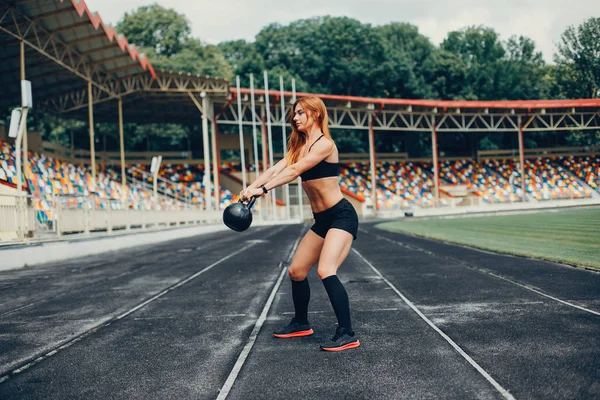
x=521, y=74
x=332, y=54
x=486, y=143
x=194, y=58
x=155, y=27
x=446, y=73
x=340, y=55
x=481, y=52
x=350, y=141
x=243, y=57
x=411, y=55
x=579, y=59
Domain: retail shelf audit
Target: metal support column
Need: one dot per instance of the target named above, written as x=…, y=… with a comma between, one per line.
x=92, y=140
x=372, y=160
x=522, y=159
x=434, y=152
x=122, y=150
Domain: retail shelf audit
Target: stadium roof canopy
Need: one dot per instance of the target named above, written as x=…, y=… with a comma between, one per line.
x=66, y=47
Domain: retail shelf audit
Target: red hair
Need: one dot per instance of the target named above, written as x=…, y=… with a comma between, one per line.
x=313, y=106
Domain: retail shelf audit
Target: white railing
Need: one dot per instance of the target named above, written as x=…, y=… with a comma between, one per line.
x=17, y=218
x=85, y=214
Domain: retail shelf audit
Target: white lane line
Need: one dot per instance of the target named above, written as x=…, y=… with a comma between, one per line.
x=108, y=322
x=413, y=247
x=17, y=309
x=545, y=295
x=309, y=312
x=456, y=347
x=226, y=388
x=150, y=300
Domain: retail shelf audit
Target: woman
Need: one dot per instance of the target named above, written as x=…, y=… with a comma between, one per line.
x=313, y=155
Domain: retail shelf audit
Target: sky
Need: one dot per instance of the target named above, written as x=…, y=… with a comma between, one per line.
x=217, y=21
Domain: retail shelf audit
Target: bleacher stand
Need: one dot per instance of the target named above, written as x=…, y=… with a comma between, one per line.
x=50, y=180
x=586, y=168
x=480, y=180
x=185, y=182
x=545, y=179
x=401, y=184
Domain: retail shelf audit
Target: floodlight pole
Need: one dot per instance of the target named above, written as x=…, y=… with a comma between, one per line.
x=215, y=154
x=372, y=160
x=265, y=148
x=241, y=131
x=434, y=151
x=283, y=142
x=92, y=143
x=122, y=148
x=205, y=142
x=254, y=137
x=18, y=141
x=155, y=179
x=271, y=163
x=299, y=191
x=25, y=144
x=522, y=158
x=206, y=177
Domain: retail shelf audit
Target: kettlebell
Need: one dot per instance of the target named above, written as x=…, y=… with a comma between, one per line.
x=237, y=216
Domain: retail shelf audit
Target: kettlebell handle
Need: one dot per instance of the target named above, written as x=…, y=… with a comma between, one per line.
x=250, y=203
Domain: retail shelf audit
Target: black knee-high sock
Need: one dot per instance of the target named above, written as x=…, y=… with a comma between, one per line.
x=339, y=301
x=301, y=296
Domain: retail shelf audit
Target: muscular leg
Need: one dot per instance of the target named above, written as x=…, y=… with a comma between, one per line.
x=307, y=255
x=335, y=250
x=305, y=258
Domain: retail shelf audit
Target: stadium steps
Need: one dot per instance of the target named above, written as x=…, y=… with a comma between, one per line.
x=594, y=193
x=530, y=196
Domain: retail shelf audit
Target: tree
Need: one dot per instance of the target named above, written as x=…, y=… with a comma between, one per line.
x=410, y=54
x=522, y=73
x=163, y=30
x=332, y=54
x=243, y=58
x=194, y=58
x=579, y=59
x=446, y=73
x=481, y=51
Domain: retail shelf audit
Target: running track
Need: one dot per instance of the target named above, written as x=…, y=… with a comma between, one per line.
x=192, y=319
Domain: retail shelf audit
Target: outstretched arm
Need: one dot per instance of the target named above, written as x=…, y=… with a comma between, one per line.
x=268, y=174
x=262, y=179
x=319, y=152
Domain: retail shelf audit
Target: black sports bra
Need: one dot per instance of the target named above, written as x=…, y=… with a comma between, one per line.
x=323, y=169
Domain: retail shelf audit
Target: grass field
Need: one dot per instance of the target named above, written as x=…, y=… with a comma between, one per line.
x=571, y=237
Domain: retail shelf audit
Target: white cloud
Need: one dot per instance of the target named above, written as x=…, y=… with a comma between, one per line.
x=221, y=20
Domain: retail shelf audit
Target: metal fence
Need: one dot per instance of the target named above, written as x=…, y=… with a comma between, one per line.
x=17, y=218
x=84, y=214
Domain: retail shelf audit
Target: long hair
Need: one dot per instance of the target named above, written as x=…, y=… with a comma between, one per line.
x=312, y=106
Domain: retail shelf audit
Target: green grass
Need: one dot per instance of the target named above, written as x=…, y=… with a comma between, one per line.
x=571, y=237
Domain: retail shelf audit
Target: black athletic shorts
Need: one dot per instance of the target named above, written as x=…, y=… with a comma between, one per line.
x=341, y=216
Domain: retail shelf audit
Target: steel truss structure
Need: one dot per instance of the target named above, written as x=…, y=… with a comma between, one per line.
x=29, y=31
x=165, y=82
x=355, y=115
x=76, y=65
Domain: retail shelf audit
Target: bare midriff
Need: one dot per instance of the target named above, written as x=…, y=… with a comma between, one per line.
x=323, y=193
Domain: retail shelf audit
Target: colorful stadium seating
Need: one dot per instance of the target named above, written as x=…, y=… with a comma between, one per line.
x=48, y=178
x=400, y=184
x=586, y=168
x=545, y=178
x=480, y=180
